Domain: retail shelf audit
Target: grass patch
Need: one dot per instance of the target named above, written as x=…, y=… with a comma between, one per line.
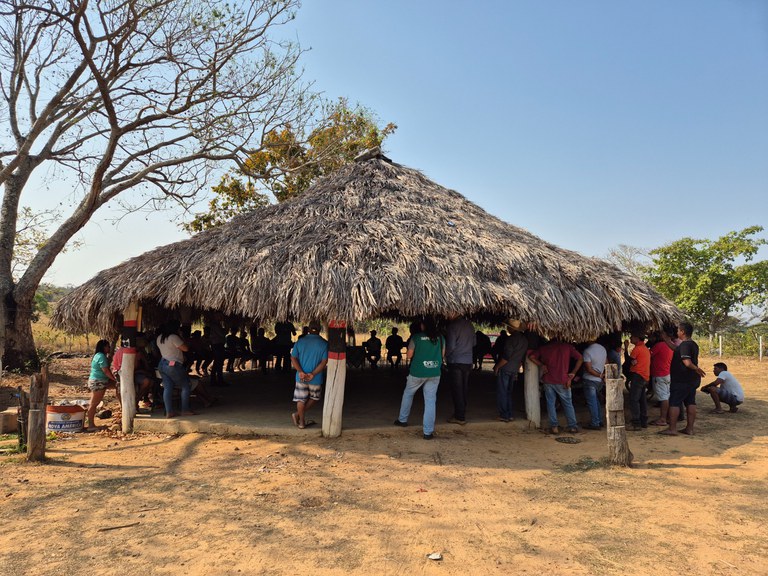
x=585, y=464
x=8, y=437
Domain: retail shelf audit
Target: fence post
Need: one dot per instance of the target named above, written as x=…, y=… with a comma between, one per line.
x=720, y=346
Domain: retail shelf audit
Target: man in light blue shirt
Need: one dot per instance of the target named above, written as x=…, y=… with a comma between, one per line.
x=309, y=357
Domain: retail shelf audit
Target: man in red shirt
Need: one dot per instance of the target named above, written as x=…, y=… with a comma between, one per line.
x=639, y=374
x=661, y=358
x=554, y=359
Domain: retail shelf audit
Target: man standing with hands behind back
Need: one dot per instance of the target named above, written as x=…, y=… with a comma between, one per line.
x=309, y=357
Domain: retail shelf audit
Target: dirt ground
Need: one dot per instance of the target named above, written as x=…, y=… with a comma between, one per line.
x=499, y=499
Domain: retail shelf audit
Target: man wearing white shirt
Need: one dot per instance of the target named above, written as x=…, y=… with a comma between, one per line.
x=725, y=390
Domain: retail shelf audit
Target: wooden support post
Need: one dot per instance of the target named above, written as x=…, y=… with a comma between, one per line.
x=532, y=393
x=336, y=377
x=618, y=447
x=22, y=418
x=38, y=399
x=127, y=386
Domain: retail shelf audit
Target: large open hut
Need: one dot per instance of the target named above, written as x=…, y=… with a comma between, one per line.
x=375, y=239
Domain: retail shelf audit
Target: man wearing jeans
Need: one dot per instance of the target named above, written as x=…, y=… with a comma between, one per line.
x=507, y=368
x=593, y=381
x=554, y=359
x=426, y=349
x=460, y=339
x=639, y=374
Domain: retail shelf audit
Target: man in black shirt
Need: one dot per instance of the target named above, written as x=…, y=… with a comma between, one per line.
x=394, y=345
x=685, y=377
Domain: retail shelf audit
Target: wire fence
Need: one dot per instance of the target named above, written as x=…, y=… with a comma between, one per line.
x=752, y=343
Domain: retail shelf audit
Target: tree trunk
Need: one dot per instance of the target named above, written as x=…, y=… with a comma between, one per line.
x=20, y=352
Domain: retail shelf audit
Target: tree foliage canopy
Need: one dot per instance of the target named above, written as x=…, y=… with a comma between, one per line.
x=706, y=279
x=288, y=163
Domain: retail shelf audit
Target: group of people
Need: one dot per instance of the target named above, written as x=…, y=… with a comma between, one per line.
x=161, y=370
x=668, y=362
x=670, y=365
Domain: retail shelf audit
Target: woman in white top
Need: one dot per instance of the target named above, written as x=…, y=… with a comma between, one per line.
x=172, y=368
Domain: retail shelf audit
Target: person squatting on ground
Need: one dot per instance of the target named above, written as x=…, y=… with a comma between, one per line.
x=724, y=390
x=426, y=350
x=685, y=377
x=639, y=361
x=172, y=369
x=100, y=379
x=309, y=357
x=661, y=358
x=554, y=359
x=507, y=368
x=593, y=382
x=459, y=342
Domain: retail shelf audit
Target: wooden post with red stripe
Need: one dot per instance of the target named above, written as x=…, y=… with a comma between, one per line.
x=131, y=319
x=336, y=378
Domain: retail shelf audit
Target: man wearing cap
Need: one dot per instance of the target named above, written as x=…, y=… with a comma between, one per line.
x=639, y=374
x=460, y=340
x=308, y=357
x=507, y=368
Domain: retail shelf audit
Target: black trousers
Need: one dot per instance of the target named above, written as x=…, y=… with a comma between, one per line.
x=458, y=379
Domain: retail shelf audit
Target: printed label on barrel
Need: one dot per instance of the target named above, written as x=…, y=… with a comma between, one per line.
x=65, y=425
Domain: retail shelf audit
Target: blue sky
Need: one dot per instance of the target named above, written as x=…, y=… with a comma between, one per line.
x=591, y=123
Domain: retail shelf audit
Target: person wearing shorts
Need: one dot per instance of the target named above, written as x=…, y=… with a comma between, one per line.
x=661, y=359
x=100, y=380
x=309, y=357
x=725, y=390
x=685, y=378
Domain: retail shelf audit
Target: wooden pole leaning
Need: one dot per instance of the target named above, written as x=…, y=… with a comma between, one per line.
x=532, y=393
x=336, y=377
x=38, y=399
x=618, y=447
x=131, y=317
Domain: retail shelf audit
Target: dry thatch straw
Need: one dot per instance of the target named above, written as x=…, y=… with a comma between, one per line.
x=374, y=239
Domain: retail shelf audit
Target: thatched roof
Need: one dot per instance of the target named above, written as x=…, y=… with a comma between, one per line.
x=373, y=239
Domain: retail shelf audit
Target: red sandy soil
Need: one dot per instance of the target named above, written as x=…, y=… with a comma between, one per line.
x=497, y=499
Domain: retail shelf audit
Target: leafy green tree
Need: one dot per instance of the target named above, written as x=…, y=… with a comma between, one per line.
x=712, y=279
x=287, y=164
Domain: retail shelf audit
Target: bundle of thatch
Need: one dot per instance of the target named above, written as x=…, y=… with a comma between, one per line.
x=373, y=239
